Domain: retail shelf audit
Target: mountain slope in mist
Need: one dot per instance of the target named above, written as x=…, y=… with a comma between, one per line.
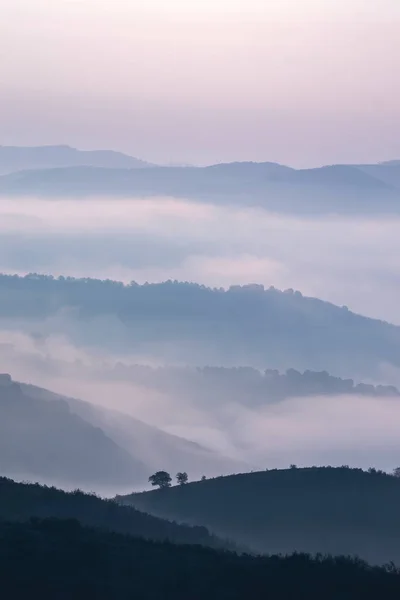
x=191, y=324
x=155, y=448
x=18, y=158
x=47, y=441
x=343, y=189
x=336, y=511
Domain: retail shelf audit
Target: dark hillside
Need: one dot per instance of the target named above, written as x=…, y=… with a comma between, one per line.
x=335, y=511
x=60, y=559
x=20, y=501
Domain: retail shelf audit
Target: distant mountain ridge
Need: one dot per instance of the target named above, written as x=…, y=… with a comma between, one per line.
x=20, y=158
x=336, y=188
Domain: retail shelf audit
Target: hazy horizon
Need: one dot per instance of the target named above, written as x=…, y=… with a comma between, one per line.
x=204, y=82
x=32, y=145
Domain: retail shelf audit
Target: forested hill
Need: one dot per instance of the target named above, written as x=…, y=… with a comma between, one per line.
x=198, y=325
x=328, y=510
x=60, y=559
x=213, y=386
x=21, y=501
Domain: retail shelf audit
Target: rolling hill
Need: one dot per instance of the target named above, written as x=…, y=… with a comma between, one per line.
x=328, y=510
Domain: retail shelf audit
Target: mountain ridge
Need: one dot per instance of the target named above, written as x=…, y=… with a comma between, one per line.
x=19, y=158
x=346, y=189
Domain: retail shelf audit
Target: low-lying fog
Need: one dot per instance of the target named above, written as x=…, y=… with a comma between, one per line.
x=314, y=430
x=349, y=261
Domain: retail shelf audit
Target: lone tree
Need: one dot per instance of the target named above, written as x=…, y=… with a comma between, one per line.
x=162, y=479
x=182, y=478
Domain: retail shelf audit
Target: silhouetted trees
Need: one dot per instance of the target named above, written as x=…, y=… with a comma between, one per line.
x=161, y=479
x=182, y=478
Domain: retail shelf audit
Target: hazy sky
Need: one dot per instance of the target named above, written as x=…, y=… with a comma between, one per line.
x=302, y=82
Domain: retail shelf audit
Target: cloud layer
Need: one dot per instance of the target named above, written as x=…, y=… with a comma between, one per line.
x=349, y=261
x=318, y=430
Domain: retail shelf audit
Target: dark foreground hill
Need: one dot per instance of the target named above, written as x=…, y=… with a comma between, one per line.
x=335, y=511
x=61, y=559
x=21, y=501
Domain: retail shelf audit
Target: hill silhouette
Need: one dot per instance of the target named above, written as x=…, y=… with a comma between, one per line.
x=18, y=158
x=61, y=559
x=328, y=510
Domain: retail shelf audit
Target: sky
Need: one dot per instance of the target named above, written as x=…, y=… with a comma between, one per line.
x=301, y=82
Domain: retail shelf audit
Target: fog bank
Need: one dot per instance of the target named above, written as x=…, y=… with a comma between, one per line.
x=350, y=261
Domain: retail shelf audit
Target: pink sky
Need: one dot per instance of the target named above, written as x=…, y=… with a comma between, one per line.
x=302, y=82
